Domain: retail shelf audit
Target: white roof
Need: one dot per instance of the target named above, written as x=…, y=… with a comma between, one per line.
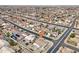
x=30, y=37
x=4, y=24
x=36, y=45
x=78, y=45
x=48, y=34
x=31, y=25
x=23, y=34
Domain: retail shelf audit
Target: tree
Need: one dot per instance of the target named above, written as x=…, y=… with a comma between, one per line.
x=8, y=34
x=72, y=35
x=59, y=31
x=11, y=42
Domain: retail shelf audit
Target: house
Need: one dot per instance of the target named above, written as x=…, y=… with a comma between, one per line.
x=40, y=43
x=29, y=38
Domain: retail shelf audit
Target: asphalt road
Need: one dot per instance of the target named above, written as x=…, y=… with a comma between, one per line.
x=42, y=21
x=71, y=47
x=28, y=30
x=46, y=22
x=56, y=46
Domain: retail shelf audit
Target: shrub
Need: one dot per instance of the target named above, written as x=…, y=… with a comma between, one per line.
x=72, y=35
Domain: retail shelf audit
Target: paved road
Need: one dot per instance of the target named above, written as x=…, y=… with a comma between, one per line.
x=65, y=35
x=76, y=28
x=71, y=47
x=27, y=30
x=42, y=21
x=56, y=46
x=59, y=42
x=50, y=23
x=45, y=22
